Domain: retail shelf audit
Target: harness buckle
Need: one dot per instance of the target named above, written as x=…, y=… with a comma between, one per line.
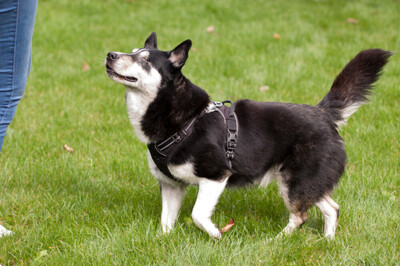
x=230, y=155
x=218, y=104
x=232, y=136
x=176, y=137
x=212, y=107
x=231, y=145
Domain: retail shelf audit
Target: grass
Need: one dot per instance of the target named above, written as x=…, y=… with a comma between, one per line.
x=100, y=205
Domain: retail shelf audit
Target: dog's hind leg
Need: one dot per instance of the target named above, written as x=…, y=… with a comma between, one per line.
x=207, y=198
x=298, y=213
x=295, y=221
x=171, y=196
x=330, y=211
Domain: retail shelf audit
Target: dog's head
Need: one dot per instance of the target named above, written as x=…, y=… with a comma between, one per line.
x=145, y=68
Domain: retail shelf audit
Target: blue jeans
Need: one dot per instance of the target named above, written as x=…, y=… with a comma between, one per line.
x=17, y=18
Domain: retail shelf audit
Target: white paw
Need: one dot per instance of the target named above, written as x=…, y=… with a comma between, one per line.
x=330, y=236
x=4, y=232
x=166, y=229
x=216, y=234
x=278, y=236
x=207, y=226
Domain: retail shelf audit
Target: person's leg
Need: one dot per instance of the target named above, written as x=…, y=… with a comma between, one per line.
x=17, y=18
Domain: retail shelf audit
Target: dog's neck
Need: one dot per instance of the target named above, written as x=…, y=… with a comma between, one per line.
x=177, y=102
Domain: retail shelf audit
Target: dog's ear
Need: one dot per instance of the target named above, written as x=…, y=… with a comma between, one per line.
x=151, y=41
x=179, y=55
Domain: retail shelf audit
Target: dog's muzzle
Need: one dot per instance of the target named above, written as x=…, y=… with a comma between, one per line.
x=112, y=56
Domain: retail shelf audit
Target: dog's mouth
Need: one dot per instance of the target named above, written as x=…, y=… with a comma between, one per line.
x=111, y=72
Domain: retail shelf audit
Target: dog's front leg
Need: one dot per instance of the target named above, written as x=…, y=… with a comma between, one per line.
x=207, y=198
x=171, y=197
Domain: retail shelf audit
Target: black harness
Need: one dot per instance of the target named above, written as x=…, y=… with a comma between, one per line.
x=159, y=151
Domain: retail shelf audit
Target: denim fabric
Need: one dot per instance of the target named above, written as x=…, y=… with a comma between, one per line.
x=17, y=18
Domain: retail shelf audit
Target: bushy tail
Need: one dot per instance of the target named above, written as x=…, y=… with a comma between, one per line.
x=352, y=86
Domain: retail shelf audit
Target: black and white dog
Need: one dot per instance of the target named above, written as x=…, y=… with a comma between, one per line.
x=296, y=145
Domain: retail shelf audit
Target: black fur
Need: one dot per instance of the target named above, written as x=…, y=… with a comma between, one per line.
x=300, y=141
x=354, y=83
x=163, y=117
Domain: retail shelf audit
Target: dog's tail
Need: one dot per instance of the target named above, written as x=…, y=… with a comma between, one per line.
x=352, y=86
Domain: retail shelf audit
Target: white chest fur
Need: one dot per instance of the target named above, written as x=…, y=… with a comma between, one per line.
x=137, y=103
x=139, y=98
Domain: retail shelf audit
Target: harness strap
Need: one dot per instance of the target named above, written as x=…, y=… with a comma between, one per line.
x=165, y=146
x=232, y=132
x=160, y=150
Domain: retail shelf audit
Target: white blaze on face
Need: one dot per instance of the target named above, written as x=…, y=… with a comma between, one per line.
x=140, y=93
x=131, y=67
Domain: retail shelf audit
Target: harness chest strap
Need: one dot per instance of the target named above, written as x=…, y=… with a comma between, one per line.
x=159, y=151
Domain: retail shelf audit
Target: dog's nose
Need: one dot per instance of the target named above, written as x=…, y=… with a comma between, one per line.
x=112, y=56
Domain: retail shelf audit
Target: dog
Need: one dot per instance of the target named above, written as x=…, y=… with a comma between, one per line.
x=296, y=145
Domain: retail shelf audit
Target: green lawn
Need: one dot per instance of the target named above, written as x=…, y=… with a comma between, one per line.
x=100, y=205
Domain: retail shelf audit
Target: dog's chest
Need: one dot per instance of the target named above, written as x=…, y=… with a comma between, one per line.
x=137, y=104
x=184, y=172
